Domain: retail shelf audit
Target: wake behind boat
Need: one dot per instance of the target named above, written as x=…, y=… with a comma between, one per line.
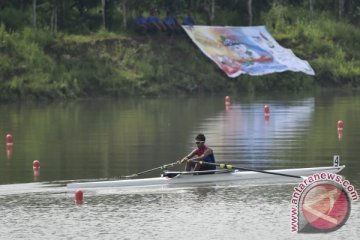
x=178, y=178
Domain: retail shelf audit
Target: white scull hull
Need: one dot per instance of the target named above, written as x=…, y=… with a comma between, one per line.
x=186, y=179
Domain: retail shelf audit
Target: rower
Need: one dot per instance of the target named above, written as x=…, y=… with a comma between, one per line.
x=201, y=153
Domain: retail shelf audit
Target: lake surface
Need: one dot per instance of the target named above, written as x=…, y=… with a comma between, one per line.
x=100, y=139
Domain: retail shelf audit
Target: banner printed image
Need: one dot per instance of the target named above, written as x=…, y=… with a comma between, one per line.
x=245, y=50
x=216, y=51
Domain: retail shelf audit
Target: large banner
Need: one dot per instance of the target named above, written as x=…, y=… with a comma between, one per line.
x=245, y=50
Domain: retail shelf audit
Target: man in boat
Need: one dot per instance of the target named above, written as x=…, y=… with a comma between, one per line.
x=201, y=153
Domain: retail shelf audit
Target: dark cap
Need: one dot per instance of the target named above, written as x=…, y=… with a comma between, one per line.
x=200, y=137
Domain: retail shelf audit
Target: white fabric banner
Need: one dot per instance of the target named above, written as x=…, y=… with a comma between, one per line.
x=245, y=50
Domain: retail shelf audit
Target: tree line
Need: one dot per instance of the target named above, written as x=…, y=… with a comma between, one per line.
x=86, y=16
x=51, y=49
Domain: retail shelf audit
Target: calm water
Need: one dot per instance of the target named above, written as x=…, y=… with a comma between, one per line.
x=97, y=139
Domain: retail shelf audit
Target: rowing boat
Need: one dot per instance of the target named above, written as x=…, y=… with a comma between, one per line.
x=178, y=178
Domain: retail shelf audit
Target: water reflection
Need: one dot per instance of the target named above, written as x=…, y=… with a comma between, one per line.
x=97, y=139
x=109, y=138
x=244, y=135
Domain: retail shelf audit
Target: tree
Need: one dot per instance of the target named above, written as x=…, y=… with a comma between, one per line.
x=124, y=10
x=103, y=7
x=54, y=16
x=34, y=14
x=341, y=8
x=249, y=8
x=209, y=7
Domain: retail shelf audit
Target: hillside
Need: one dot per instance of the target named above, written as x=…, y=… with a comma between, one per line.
x=45, y=66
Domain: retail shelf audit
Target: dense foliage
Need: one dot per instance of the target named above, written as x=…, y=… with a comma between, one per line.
x=62, y=49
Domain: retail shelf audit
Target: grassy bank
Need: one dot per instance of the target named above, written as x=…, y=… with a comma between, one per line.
x=43, y=66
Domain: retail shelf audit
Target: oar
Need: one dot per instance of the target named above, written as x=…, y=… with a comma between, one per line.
x=230, y=167
x=151, y=170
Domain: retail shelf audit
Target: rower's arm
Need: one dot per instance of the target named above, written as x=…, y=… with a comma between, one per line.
x=189, y=156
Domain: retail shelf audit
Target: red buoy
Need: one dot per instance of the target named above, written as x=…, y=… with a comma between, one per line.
x=36, y=164
x=340, y=125
x=9, y=139
x=79, y=197
x=266, y=110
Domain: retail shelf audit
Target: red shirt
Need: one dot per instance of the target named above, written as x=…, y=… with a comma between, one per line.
x=209, y=158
